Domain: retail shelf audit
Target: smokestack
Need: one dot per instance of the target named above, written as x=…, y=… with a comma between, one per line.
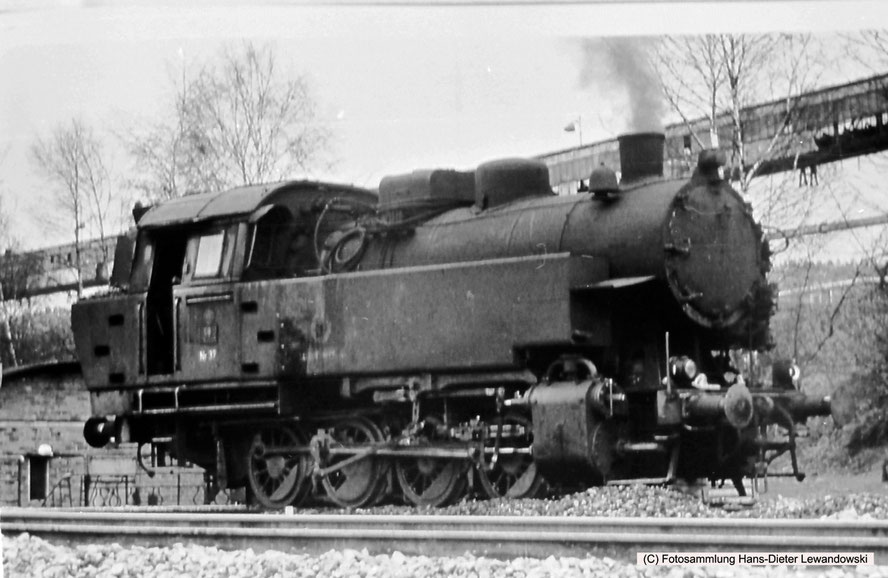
x=641, y=155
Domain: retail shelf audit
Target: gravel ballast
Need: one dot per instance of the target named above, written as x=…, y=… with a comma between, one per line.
x=652, y=501
x=26, y=556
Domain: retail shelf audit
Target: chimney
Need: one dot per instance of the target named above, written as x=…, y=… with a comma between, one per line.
x=641, y=155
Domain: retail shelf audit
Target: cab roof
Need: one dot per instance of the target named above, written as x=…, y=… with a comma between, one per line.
x=242, y=201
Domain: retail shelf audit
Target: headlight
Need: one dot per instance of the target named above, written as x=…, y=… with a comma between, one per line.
x=785, y=374
x=683, y=368
x=690, y=368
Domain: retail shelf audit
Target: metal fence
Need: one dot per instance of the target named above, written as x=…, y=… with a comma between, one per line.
x=78, y=480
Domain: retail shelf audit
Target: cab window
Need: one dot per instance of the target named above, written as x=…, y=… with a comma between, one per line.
x=209, y=255
x=143, y=258
x=269, y=243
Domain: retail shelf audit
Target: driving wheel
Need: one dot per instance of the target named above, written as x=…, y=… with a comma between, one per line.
x=513, y=475
x=277, y=473
x=362, y=482
x=431, y=481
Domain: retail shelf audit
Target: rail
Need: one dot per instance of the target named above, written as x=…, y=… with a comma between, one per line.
x=451, y=535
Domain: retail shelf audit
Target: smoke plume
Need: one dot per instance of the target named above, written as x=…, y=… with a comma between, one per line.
x=624, y=64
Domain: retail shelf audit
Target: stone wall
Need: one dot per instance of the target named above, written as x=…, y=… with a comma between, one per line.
x=41, y=407
x=47, y=406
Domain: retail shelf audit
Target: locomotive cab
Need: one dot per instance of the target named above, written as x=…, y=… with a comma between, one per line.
x=183, y=298
x=184, y=267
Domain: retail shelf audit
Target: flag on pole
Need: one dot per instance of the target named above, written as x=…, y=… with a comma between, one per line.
x=571, y=127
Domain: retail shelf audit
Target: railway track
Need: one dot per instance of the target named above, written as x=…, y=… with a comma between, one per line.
x=505, y=536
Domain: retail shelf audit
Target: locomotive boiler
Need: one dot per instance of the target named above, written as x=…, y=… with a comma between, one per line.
x=452, y=329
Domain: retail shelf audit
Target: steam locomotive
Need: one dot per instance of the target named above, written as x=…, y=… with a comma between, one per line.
x=454, y=328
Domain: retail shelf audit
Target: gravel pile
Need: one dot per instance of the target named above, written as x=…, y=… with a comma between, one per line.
x=634, y=501
x=26, y=556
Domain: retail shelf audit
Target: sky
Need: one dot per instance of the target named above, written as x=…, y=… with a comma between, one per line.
x=400, y=86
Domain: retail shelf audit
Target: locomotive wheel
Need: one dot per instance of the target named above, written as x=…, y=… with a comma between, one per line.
x=515, y=475
x=431, y=481
x=277, y=481
x=427, y=481
x=363, y=482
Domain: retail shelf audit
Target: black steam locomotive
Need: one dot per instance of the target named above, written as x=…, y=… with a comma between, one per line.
x=455, y=327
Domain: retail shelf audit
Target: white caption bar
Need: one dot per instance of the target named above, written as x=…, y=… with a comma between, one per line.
x=755, y=558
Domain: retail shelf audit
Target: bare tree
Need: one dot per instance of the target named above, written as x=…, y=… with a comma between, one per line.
x=168, y=158
x=158, y=160
x=238, y=120
x=717, y=77
x=7, y=243
x=692, y=76
x=870, y=48
x=743, y=57
x=71, y=159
